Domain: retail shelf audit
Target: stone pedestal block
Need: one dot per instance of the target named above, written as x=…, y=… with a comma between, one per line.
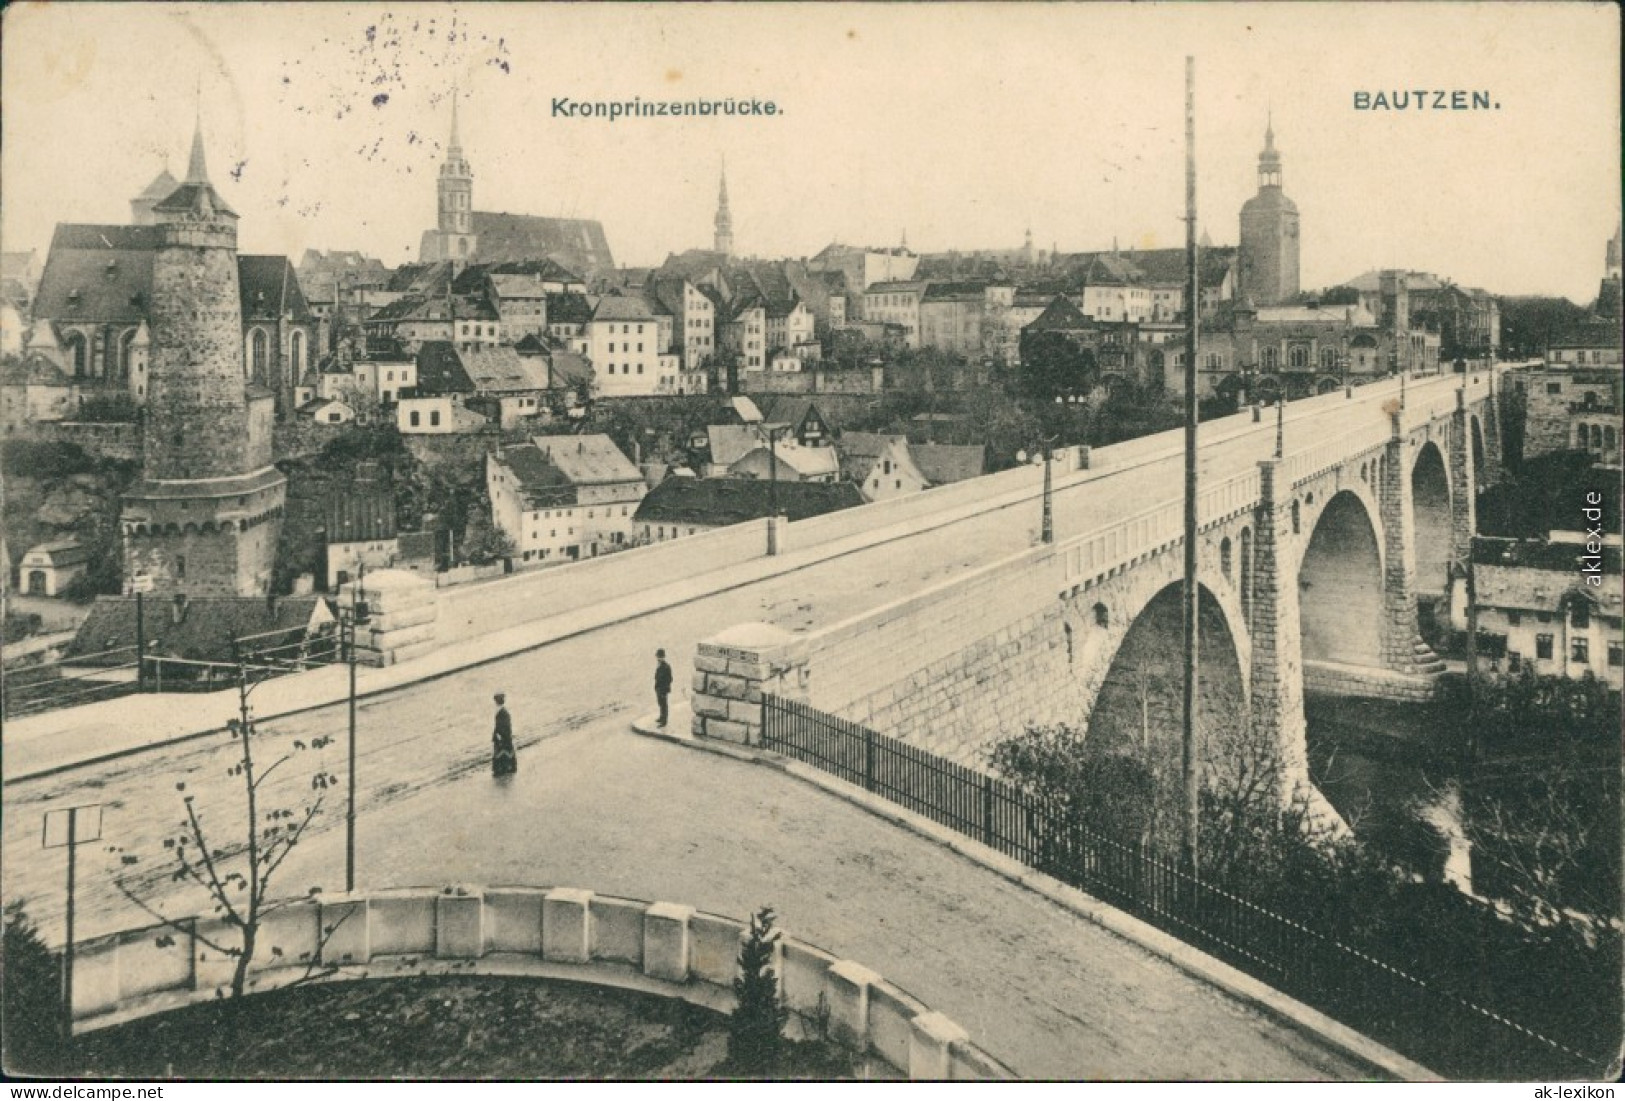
x=665, y=941
x=346, y=931
x=846, y=986
x=930, y=1047
x=567, y=925
x=459, y=930
x=731, y=672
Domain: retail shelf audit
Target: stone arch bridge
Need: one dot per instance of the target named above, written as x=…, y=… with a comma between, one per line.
x=1312, y=568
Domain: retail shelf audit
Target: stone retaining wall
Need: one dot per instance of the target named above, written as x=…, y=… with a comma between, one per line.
x=560, y=932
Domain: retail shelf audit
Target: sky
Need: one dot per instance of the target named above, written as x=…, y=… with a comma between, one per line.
x=961, y=125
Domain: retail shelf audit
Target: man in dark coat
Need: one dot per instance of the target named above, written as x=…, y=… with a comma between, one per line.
x=504, y=758
x=662, y=683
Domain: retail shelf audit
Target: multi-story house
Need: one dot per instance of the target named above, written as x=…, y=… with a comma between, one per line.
x=896, y=303
x=623, y=342
x=1535, y=595
x=562, y=498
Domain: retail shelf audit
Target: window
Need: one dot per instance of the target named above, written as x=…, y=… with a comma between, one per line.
x=1514, y=618
x=417, y=418
x=180, y=567
x=1270, y=360
x=434, y=418
x=1554, y=387
x=1580, y=614
x=1543, y=647
x=1580, y=651
x=1298, y=356
x=1616, y=655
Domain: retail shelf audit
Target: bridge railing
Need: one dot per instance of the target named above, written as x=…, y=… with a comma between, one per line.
x=1440, y=1020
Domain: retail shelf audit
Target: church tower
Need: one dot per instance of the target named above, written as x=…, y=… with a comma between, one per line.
x=1269, y=234
x=725, y=220
x=453, y=236
x=204, y=517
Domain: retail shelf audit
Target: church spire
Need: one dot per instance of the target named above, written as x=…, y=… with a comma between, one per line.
x=724, y=242
x=456, y=144
x=197, y=170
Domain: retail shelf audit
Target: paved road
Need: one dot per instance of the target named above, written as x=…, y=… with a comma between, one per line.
x=651, y=821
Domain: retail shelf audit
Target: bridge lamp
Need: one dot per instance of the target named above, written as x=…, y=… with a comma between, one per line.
x=1047, y=531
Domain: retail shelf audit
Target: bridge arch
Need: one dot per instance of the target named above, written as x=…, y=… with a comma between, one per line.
x=1430, y=511
x=1340, y=590
x=1137, y=711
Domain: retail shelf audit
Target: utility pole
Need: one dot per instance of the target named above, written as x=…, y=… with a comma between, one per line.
x=354, y=618
x=773, y=489
x=1048, y=530
x=69, y=828
x=1191, y=593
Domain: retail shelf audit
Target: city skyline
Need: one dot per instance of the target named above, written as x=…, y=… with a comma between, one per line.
x=328, y=129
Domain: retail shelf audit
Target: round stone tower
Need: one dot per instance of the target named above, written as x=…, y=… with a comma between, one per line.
x=1269, y=233
x=203, y=519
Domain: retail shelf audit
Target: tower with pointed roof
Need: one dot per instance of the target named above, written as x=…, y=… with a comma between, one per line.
x=203, y=518
x=453, y=237
x=1269, y=233
x=724, y=242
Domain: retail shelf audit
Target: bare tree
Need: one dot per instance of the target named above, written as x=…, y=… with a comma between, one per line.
x=238, y=876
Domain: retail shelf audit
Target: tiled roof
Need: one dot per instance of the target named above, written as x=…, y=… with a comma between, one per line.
x=204, y=631
x=897, y=287
x=1587, y=335
x=714, y=502
x=578, y=244
x=502, y=370
x=382, y=349
x=858, y=452
x=943, y=463
x=542, y=484
x=943, y=292
x=806, y=462
x=62, y=552
x=732, y=442
x=1061, y=314
x=570, y=308
x=191, y=197
x=613, y=307
x=569, y=370
x=440, y=369
x=162, y=186
x=588, y=459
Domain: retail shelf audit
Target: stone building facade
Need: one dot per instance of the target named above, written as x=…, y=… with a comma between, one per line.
x=203, y=518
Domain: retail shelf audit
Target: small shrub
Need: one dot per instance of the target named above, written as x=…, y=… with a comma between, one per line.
x=30, y=978
x=756, y=1028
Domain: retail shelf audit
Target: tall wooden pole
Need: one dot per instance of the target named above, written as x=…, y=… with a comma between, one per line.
x=1191, y=754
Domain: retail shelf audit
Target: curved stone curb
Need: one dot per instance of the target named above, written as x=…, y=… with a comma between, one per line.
x=1382, y=1060
x=567, y=933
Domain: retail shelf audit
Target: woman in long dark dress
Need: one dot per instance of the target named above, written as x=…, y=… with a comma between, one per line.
x=504, y=758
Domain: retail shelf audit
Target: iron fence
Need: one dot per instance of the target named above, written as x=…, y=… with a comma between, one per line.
x=1426, y=1017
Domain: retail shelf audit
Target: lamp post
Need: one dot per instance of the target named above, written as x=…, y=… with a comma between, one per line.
x=1280, y=422
x=1046, y=533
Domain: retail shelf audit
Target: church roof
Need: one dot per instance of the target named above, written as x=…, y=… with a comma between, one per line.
x=162, y=186
x=270, y=290
x=577, y=243
x=97, y=273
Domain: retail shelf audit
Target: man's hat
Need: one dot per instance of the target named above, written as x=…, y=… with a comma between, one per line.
x=660, y=653
x=501, y=698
